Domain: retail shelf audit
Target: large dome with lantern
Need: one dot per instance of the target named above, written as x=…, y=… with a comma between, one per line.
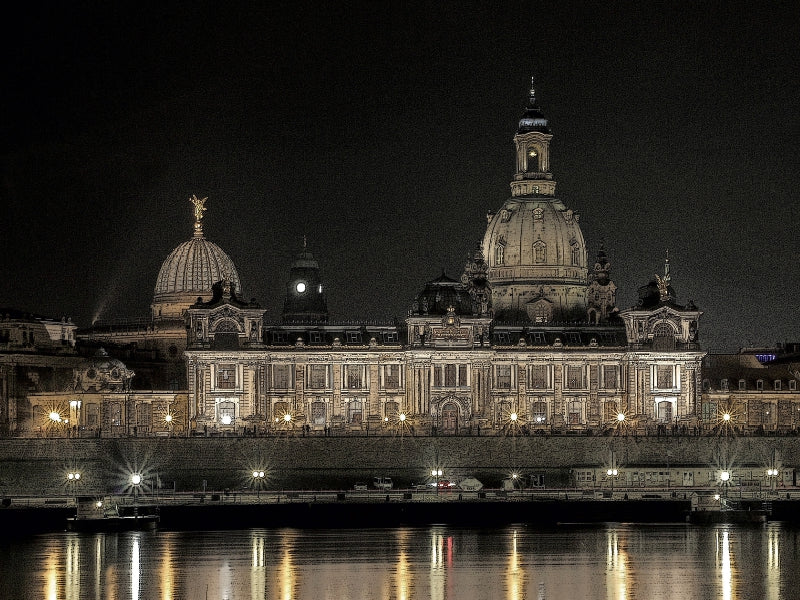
x=534, y=246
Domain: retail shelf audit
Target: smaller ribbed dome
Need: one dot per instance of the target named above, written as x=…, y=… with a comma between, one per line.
x=195, y=266
x=190, y=272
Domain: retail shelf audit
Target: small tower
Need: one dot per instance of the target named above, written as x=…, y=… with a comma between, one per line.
x=305, y=295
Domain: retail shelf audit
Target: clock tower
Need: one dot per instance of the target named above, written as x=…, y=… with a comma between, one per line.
x=305, y=294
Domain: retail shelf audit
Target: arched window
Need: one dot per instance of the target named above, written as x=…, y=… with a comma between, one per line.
x=539, y=252
x=663, y=337
x=532, y=159
x=499, y=254
x=576, y=254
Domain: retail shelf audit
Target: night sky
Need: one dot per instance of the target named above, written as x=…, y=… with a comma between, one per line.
x=383, y=133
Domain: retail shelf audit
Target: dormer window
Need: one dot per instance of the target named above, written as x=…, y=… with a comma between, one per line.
x=723, y=384
x=760, y=385
x=777, y=385
x=742, y=385
x=792, y=385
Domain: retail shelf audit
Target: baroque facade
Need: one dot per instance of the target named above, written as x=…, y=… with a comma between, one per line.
x=527, y=339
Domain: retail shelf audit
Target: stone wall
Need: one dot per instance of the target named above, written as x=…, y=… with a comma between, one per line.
x=39, y=466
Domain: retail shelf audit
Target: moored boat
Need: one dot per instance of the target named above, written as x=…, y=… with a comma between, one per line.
x=94, y=514
x=710, y=509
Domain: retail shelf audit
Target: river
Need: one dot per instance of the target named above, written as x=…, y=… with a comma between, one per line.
x=565, y=562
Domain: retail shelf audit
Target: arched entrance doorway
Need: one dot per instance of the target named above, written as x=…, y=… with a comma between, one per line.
x=450, y=418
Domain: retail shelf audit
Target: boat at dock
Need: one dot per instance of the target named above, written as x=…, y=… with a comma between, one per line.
x=93, y=514
x=711, y=509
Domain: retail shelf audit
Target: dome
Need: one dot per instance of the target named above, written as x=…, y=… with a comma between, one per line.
x=535, y=249
x=441, y=294
x=103, y=373
x=189, y=272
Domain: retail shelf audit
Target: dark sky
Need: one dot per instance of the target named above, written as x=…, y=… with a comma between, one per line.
x=384, y=132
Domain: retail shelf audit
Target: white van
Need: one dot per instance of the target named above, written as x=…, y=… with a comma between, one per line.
x=382, y=483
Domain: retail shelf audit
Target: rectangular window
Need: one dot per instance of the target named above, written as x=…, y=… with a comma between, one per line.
x=280, y=337
x=777, y=385
x=391, y=376
x=281, y=377
x=144, y=415
x=226, y=377
x=115, y=413
x=315, y=337
x=573, y=338
x=450, y=375
x=537, y=377
x=575, y=377
x=723, y=384
x=353, y=337
x=462, y=375
x=503, y=376
x=502, y=338
x=317, y=376
x=609, y=377
x=574, y=413
x=742, y=384
x=92, y=414
x=792, y=385
x=664, y=377
x=760, y=385
x=437, y=376
x=354, y=376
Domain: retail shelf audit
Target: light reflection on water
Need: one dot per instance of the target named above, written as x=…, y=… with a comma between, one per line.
x=610, y=562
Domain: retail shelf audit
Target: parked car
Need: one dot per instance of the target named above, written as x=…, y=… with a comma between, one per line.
x=382, y=483
x=360, y=486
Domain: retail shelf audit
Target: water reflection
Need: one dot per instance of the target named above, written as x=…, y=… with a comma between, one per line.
x=616, y=567
x=610, y=562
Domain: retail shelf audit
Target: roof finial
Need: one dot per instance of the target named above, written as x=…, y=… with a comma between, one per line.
x=533, y=93
x=304, y=242
x=199, y=209
x=666, y=267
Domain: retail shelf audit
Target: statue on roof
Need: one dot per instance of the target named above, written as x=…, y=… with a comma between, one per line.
x=199, y=207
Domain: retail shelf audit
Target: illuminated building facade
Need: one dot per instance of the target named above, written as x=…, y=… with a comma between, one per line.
x=526, y=339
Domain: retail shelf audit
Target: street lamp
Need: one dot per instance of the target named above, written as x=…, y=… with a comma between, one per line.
x=437, y=474
x=73, y=477
x=168, y=420
x=612, y=475
x=772, y=473
x=725, y=477
x=136, y=481
x=258, y=478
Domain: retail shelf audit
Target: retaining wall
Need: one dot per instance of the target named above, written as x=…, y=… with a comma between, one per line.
x=39, y=466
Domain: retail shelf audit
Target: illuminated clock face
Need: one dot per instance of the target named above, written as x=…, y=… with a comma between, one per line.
x=300, y=287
